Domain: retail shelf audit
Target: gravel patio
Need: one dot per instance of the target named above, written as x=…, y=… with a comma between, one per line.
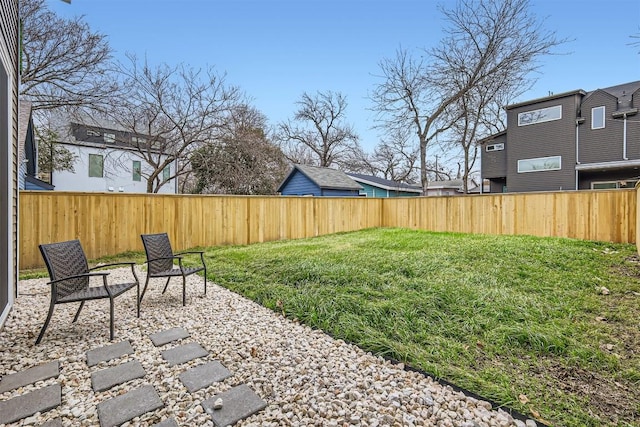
x=305, y=376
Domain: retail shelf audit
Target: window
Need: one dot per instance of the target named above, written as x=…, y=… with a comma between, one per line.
x=166, y=173
x=92, y=133
x=540, y=164
x=109, y=137
x=495, y=147
x=137, y=170
x=538, y=116
x=96, y=165
x=138, y=140
x=597, y=117
x=603, y=185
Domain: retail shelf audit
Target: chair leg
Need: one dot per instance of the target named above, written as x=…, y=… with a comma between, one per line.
x=110, y=319
x=205, y=279
x=138, y=297
x=46, y=323
x=146, y=283
x=75, y=318
x=166, y=285
x=184, y=290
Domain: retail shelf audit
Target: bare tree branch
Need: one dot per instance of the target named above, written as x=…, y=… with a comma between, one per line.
x=486, y=42
x=64, y=63
x=318, y=134
x=172, y=111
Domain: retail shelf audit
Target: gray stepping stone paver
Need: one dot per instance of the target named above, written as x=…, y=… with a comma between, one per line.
x=56, y=422
x=238, y=403
x=117, y=410
x=170, y=335
x=109, y=377
x=30, y=376
x=23, y=406
x=204, y=375
x=169, y=422
x=183, y=353
x=108, y=352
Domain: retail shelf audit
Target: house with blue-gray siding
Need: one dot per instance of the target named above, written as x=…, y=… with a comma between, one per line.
x=305, y=180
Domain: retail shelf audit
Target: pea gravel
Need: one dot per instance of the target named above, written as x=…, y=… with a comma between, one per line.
x=306, y=377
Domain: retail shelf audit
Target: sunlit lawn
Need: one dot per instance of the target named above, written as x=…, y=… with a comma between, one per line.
x=522, y=321
x=519, y=320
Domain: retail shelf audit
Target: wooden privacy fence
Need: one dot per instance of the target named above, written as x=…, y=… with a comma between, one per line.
x=108, y=223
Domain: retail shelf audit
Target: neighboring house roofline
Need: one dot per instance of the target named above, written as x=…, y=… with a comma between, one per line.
x=24, y=118
x=104, y=145
x=602, y=166
x=546, y=98
x=35, y=181
x=388, y=185
x=325, y=178
x=451, y=184
x=492, y=137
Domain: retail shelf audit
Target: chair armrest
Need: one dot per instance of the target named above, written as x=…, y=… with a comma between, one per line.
x=166, y=257
x=190, y=252
x=111, y=265
x=77, y=276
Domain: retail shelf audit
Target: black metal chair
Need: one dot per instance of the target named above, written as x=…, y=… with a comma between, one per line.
x=160, y=259
x=70, y=280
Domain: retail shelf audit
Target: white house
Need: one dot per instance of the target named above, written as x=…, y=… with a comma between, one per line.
x=106, y=160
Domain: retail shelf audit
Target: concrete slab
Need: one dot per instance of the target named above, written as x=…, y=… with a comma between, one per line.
x=108, y=352
x=183, y=353
x=239, y=403
x=120, y=409
x=107, y=378
x=23, y=406
x=56, y=422
x=30, y=376
x=169, y=422
x=204, y=375
x=170, y=335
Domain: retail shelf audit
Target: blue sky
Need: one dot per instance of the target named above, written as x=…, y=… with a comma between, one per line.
x=277, y=49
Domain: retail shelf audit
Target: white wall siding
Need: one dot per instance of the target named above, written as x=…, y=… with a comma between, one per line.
x=117, y=172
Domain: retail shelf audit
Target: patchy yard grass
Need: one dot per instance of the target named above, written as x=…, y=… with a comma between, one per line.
x=520, y=320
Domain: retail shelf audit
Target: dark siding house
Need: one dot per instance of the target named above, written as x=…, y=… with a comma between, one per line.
x=373, y=186
x=304, y=180
x=9, y=77
x=570, y=141
x=28, y=152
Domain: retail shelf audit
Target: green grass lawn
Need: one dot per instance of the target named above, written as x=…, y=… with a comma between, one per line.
x=519, y=320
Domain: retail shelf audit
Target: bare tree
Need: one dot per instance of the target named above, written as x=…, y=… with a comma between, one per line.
x=171, y=111
x=482, y=115
x=395, y=158
x=242, y=160
x=64, y=62
x=318, y=132
x=51, y=155
x=485, y=40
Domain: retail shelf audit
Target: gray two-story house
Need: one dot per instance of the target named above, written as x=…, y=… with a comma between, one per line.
x=570, y=141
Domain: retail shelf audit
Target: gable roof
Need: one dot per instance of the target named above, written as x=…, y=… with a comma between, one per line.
x=385, y=184
x=325, y=178
x=621, y=91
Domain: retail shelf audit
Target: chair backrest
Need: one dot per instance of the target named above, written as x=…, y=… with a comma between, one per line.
x=66, y=259
x=158, y=246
